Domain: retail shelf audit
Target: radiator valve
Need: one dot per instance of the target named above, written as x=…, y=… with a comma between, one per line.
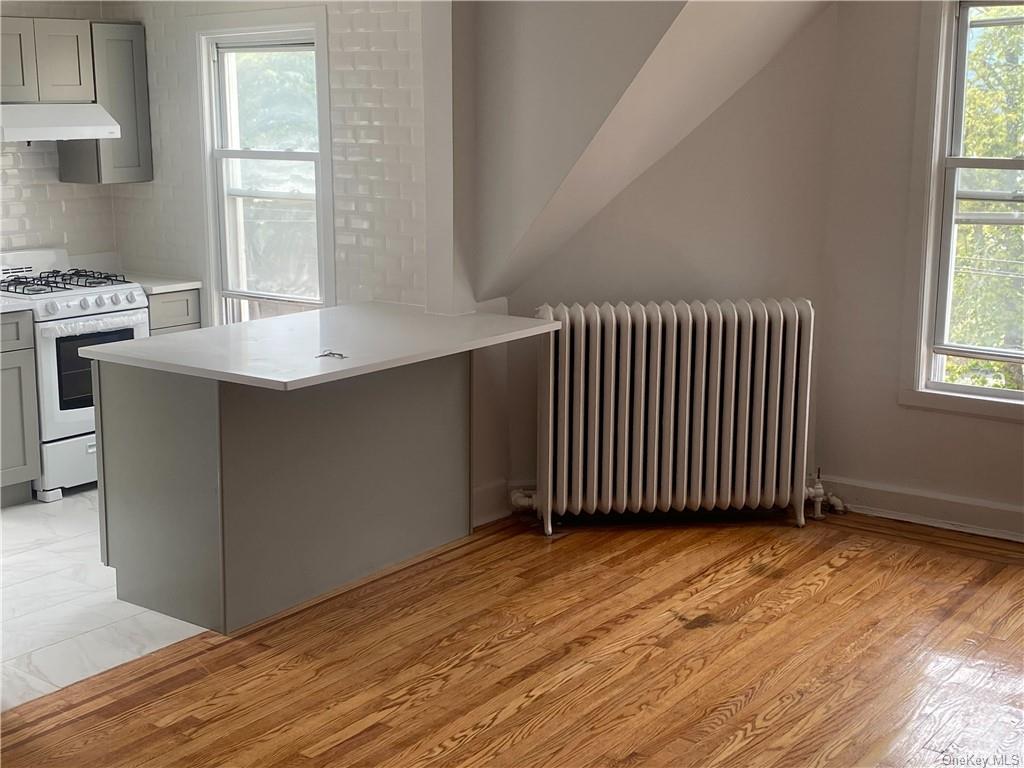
x=816, y=492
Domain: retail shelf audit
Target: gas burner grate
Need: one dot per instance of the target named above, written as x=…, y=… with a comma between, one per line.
x=82, y=278
x=29, y=286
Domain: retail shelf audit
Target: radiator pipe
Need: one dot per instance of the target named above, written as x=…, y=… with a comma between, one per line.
x=523, y=499
x=837, y=504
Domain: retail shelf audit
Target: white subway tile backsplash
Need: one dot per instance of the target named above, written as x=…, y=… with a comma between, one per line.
x=38, y=210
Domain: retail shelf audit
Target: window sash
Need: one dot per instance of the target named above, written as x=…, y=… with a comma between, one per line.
x=951, y=163
x=221, y=152
x=224, y=192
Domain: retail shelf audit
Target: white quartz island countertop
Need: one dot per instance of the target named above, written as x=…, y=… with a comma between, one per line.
x=285, y=352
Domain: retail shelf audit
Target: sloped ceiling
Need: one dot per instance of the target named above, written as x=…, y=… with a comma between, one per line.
x=544, y=76
x=710, y=50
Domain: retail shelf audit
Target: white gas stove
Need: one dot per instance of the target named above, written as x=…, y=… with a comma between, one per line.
x=71, y=308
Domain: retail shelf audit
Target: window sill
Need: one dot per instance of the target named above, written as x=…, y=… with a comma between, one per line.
x=965, y=405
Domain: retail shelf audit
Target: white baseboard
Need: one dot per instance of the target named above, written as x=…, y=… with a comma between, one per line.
x=939, y=510
x=489, y=502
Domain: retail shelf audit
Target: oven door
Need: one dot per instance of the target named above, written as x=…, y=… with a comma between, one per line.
x=65, y=378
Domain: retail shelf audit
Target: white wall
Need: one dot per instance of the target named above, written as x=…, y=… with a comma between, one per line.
x=376, y=97
x=799, y=185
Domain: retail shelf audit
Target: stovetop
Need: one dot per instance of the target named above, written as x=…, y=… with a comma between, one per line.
x=56, y=291
x=30, y=284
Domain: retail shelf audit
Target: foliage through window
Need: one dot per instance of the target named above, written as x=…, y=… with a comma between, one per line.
x=268, y=170
x=979, y=325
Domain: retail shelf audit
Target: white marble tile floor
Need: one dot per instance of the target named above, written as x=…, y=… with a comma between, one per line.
x=61, y=619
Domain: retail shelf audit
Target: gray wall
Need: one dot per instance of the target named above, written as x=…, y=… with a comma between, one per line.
x=736, y=209
x=547, y=74
x=864, y=434
x=799, y=184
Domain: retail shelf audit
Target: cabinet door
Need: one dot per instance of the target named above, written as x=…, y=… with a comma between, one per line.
x=19, y=417
x=64, y=60
x=119, y=52
x=18, y=81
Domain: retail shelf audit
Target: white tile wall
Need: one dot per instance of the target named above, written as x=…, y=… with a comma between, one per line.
x=159, y=224
x=377, y=135
x=37, y=210
x=54, y=10
x=377, y=141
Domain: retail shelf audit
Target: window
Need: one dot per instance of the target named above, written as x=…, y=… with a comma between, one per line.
x=270, y=172
x=978, y=340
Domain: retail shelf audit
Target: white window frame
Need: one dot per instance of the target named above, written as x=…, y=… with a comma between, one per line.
x=285, y=27
x=937, y=132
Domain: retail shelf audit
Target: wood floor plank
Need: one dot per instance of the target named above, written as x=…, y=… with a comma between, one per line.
x=667, y=643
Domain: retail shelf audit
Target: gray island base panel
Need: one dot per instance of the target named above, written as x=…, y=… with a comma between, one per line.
x=223, y=504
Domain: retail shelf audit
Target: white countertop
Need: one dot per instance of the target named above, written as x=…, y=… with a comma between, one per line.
x=153, y=284
x=13, y=305
x=281, y=352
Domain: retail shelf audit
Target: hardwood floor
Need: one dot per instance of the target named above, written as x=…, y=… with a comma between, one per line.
x=853, y=642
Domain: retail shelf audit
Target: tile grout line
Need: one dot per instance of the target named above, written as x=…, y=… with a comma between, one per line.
x=73, y=637
x=79, y=634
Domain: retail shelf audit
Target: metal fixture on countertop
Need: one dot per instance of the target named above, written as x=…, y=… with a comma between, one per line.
x=71, y=308
x=336, y=355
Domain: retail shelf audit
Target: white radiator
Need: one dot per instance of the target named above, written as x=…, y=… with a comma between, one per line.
x=662, y=407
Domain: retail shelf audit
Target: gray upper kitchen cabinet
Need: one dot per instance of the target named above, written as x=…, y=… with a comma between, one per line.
x=18, y=82
x=19, y=410
x=64, y=60
x=47, y=60
x=119, y=53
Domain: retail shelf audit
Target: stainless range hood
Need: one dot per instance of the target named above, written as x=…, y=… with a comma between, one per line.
x=56, y=122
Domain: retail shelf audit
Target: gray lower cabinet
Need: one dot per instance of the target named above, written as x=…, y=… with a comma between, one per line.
x=19, y=417
x=173, y=312
x=224, y=504
x=119, y=51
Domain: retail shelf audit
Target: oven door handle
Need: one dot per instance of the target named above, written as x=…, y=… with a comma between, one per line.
x=82, y=325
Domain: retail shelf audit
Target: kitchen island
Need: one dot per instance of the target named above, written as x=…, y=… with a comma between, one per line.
x=249, y=468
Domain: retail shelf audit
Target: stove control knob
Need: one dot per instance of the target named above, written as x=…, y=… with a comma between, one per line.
x=115, y=299
x=84, y=303
x=51, y=308
x=100, y=301
x=130, y=297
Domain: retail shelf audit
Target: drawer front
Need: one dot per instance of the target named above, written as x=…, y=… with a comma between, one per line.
x=16, y=331
x=174, y=329
x=167, y=310
x=67, y=463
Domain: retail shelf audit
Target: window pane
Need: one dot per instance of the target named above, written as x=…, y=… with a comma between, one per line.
x=987, y=296
x=270, y=99
x=993, y=112
x=271, y=229
x=294, y=178
x=982, y=373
